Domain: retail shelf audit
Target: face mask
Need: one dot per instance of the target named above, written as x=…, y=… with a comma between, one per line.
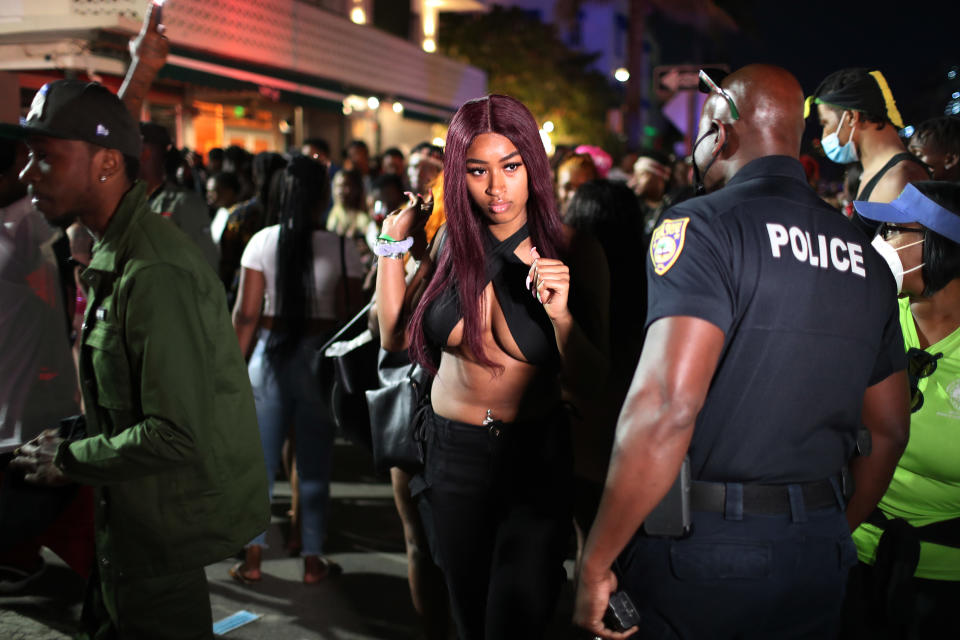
x=840, y=154
x=889, y=253
x=697, y=176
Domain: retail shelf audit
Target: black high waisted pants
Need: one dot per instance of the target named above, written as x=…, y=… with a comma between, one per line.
x=496, y=503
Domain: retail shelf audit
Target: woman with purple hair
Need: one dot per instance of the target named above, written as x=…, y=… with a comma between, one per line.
x=496, y=325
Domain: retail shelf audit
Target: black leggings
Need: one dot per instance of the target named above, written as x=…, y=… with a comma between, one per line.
x=496, y=506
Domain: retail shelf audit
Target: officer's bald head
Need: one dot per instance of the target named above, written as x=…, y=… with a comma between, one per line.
x=770, y=104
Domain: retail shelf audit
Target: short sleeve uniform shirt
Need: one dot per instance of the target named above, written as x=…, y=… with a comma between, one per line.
x=809, y=314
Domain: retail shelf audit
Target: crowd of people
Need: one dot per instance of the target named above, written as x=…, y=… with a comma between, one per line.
x=730, y=383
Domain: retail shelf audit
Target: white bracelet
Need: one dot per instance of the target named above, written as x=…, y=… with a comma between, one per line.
x=393, y=249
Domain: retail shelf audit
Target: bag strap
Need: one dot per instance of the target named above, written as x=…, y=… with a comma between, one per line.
x=346, y=295
x=352, y=321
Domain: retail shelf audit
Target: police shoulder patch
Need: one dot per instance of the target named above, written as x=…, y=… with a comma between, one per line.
x=667, y=243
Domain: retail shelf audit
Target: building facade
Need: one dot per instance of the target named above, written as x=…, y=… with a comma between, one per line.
x=262, y=74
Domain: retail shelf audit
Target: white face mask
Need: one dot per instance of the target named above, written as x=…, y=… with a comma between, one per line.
x=889, y=253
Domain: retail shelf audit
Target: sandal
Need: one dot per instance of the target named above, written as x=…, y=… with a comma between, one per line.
x=237, y=572
x=241, y=572
x=324, y=568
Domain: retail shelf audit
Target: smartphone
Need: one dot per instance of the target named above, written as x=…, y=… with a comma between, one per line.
x=671, y=518
x=158, y=10
x=621, y=614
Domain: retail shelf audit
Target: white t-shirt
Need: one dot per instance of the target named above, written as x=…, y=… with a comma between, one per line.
x=261, y=255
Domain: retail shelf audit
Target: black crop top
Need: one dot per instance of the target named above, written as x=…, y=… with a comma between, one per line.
x=526, y=319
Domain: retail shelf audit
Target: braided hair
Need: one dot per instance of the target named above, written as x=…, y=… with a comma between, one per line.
x=304, y=187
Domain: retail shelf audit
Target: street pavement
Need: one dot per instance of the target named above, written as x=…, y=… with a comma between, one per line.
x=369, y=601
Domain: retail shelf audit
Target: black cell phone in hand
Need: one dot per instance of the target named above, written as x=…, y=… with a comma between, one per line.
x=158, y=10
x=621, y=614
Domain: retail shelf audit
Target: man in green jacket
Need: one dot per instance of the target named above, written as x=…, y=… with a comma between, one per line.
x=171, y=445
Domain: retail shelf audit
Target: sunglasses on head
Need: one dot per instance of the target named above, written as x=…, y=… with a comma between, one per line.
x=708, y=85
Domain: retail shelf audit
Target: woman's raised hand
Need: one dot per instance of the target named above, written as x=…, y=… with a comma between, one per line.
x=410, y=219
x=549, y=282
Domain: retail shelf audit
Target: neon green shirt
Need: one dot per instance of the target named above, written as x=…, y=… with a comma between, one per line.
x=926, y=484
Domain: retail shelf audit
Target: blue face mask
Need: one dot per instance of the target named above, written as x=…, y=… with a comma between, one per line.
x=840, y=154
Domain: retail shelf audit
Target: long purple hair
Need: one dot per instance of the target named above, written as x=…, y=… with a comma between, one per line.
x=461, y=263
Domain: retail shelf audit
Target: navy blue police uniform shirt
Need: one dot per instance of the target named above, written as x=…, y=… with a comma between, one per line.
x=809, y=314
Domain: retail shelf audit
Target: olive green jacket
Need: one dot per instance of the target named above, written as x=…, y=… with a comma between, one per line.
x=188, y=210
x=172, y=442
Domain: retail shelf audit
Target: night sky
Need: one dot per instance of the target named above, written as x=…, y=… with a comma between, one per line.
x=914, y=48
x=913, y=43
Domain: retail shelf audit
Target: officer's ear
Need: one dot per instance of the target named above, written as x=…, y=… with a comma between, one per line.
x=727, y=142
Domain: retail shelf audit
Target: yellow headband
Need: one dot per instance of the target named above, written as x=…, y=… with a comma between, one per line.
x=892, y=113
x=812, y=100
x=861, y=94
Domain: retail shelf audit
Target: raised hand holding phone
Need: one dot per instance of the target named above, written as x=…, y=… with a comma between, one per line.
x=151, y=47
x=148, y=53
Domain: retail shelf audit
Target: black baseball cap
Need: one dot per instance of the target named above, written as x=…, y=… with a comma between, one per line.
x=88, y=111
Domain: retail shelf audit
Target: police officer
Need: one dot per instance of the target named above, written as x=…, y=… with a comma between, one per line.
x=772, y=334
x=172, y=446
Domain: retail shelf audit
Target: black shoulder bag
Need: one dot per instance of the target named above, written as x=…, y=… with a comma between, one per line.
x=398, y=412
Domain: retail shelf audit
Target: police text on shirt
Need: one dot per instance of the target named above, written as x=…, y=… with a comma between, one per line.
x=818, y=251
